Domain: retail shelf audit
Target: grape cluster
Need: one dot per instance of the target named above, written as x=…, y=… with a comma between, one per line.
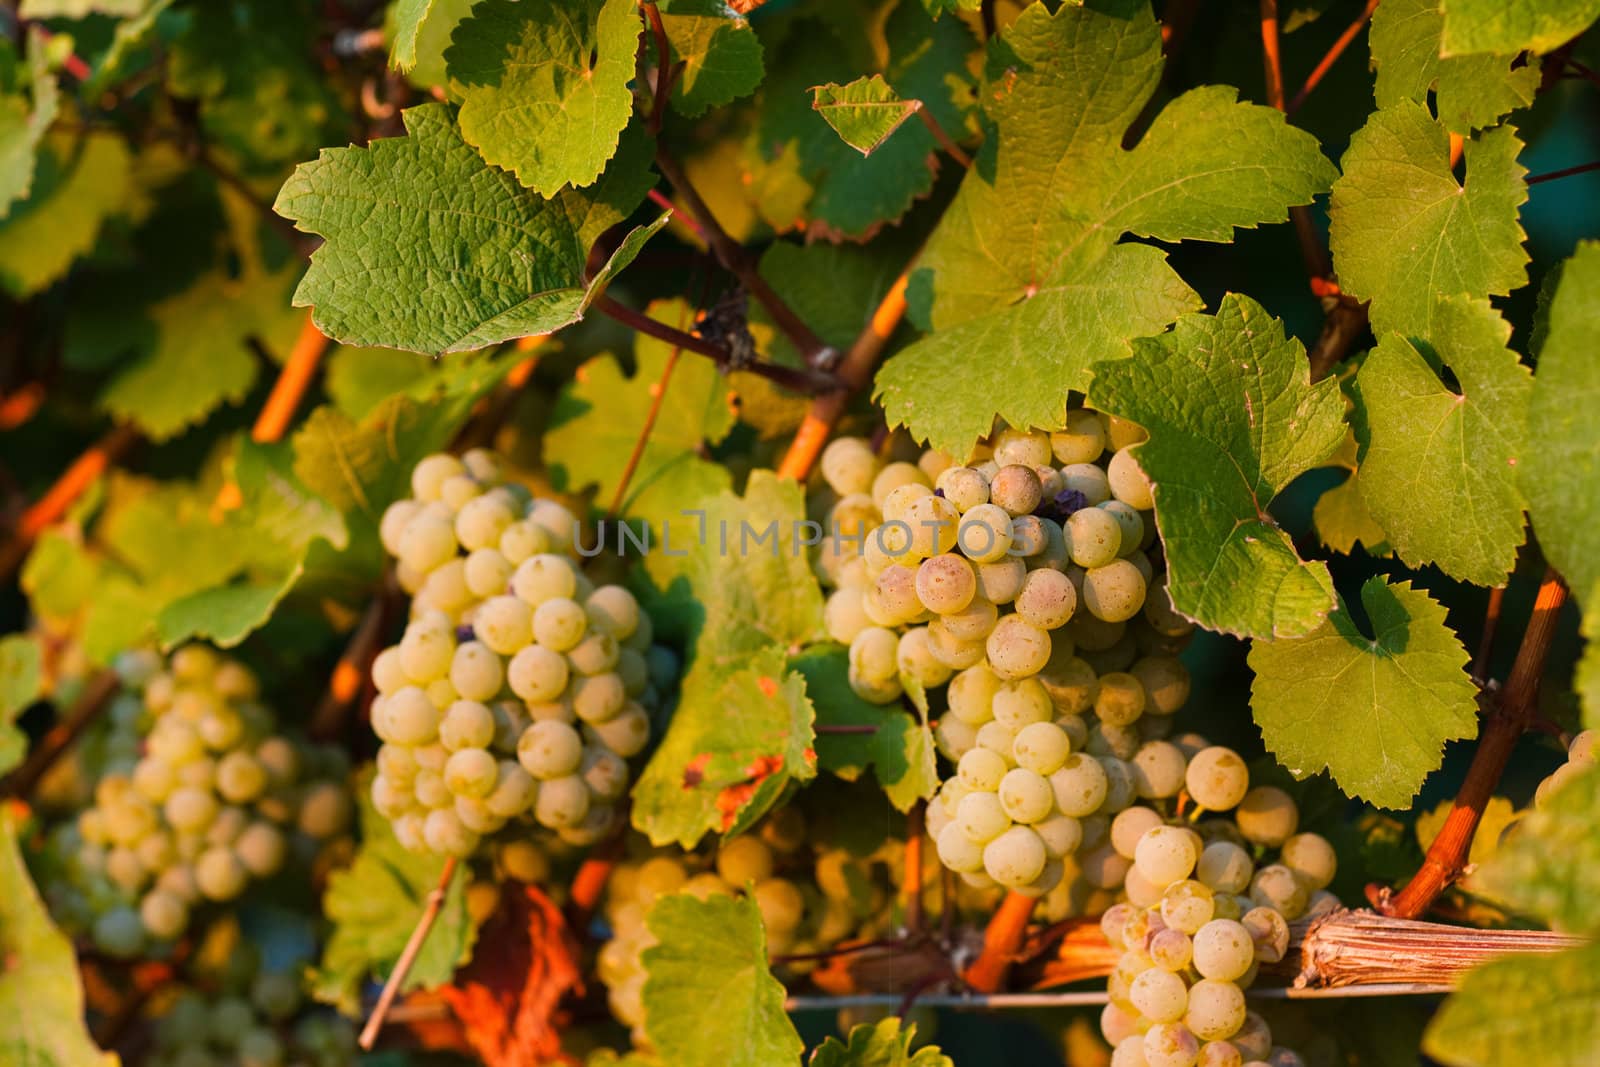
x=1025, y=590
x=202, y=799
x=1201, y=917
x=237, y=1014
x=519, y=688
x=1581, y=753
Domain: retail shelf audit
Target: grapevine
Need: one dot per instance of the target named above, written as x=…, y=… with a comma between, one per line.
x=691, y=534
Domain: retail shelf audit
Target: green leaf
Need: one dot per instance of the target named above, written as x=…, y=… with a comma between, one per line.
x=373, y=905
x=709, y=999
x=409, y=16
x=23, y=125
x=1232, y=420
x=1522, y=1009
x=720, y=53
x=756, y=598
x=1341, y=516
x=1440, y=465
x=194, y=351
x=359, y=379
x=77, y=185
x=1510, y=26
x=1586, y=680
x=1404, y=231
x=880, y=1044
x=21, y=681
x=1469, y=91
x=429, y=249
x=1550, y=867
x=1563, y=465
x=864, y=113
x=1026, y=265
x=41, y=993
x=900, y=750
x=597, y=419
x=1375, y=711
x=545, y=85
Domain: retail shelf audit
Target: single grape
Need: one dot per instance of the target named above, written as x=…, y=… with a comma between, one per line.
x=1128, y=482
x=1267, y=816
x=1159, y=995
x=1014, y=857
x=1114, y=592
x=1311, y=858
x=1017, y=648
x=219, y=874
x=1217, y=778
x=537, y=674
x=260, y=848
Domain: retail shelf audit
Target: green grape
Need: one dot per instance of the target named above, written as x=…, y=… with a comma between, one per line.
x=844, y=615
x=1017, y=648
x=626, y=734
x=1014, y=857
x=1267, y=816
x=190, y=809
x=595, y=654
x=486, y=572
x=874, y=653
x=1187, y=906
x=963, y=487
x=999, y=738
x=1217, y=778
x=261, y=848
x=1311, y=858
x=983, y=818
x=895, y=595
x=504, y=624
x=1047, y=599
x=1160, y=996
x=1120, y=699
x=431, y=472
x=446, y=834
x=744, y=861
x=513, y=792
x=954, y=737
x=1165, y=854
x=1061, y=834
x=1041, y=747
x=1225, y=867
x=1026, y=798
x=599, y=697
x=389, y=798
x=944, y=584
x=119, y=933
x=1080, y=785
x=1254, y=1038
x=848, y=465
x=523, y=540
x=604, y=772
x=154, y=779
x=981, y=770
x=782, y=905
x=984, y=536
x=891, y=477
x=537, y=674
x=1276, y=886
x=1269, y=931
x=1088, y=479
x=1114, y=592
x=1170, y=1044
x=1130, y=825
x=897, y=504
x=472, y=772
x=1030, y=536
x=240, y=777
x=550, y=749
x=1001, y=581
x=1081, y=441
x=1095, y=536
x=219, y=874
x=481, y=521
x=1170, y=949
x=430, y=790
x=1070, y=681
x=1128, y=482
x=952, y=651
x=562, y=802
x=1028, y=447
x=407, y=717
x=957, y=851
x=545, y=577
x=1158, y=770
x=1022, y=703
x=1015, y=489
x=466, y=724
x=1219, y=1054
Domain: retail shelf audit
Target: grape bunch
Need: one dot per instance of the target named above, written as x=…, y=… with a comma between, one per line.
x=1201, y=917
x=1581, y=754
x=1025, y=590
x=205, y=799
x=232, y=1012
x=751, y=863
x=519, y=687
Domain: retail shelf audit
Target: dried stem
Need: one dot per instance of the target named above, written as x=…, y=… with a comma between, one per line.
x=1362, y=948
x=1448, y=853
x=402, y=966
x=800, y=380
x=1566, y=172
x=1334, y=52
x=946, y=142
x=354, y=669
x=1001, y=939
x=60, y=496
x=293, y=380
x=854, y=371
x=61, y=737
x=731, y=254
x=913, y=866
x=663, y=83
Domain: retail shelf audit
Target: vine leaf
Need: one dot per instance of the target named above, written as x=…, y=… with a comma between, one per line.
x=1470, y=92
x=429, y=249
x=1522, y=1007
x=192, y=352
x=864, y=113
x=1550, y=867
x=525, y=963
x=23, y=122
x=545, y=85
x=1341, y=516
x=880, y=1044
x=374, y=903
x=1440, y=468
x=1403, y=230
x=709, y=999
x=1375, y=711
x=1586, y=681
x=755, y=597
x=1511, y=26
x=1563, y=465
x=598, y=416
x=1027, y=265
x=40, y=989
x=900, y=751
x=721, y=55
x=409, y=15
x=1232, y=420
x=21, y=682
x=77, y=185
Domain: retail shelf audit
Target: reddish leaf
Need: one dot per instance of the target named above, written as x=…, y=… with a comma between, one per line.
x=506, y=998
